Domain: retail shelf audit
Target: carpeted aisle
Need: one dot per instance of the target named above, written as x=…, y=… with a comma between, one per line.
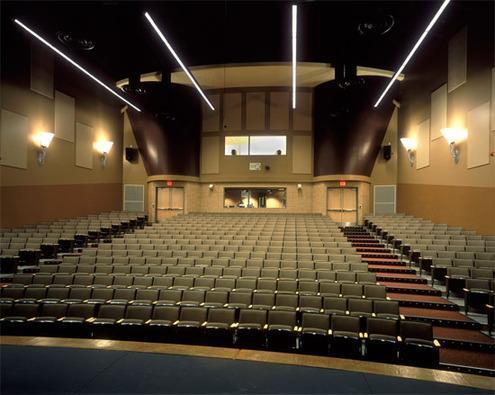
x=76, y=371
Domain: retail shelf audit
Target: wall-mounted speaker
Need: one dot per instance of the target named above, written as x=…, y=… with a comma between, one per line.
x=131, y=154
x=387, y=152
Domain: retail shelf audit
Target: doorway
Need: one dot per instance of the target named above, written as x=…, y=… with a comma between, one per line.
x=342, y=205
x=169, y=202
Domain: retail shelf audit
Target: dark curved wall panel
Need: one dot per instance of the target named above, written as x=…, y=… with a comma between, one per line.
x=348, y=130
x=168, y=131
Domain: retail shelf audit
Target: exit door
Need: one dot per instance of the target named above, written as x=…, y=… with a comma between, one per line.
x=342, y=204
x=169, y=202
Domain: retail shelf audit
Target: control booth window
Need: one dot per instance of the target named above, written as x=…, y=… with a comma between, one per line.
x=255, y=145
x=255, y=198
x=236, y=145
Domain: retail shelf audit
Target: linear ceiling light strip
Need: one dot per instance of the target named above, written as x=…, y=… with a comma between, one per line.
x=174, y=54
x=33, y=33
x=413, y=50
x=294, y=54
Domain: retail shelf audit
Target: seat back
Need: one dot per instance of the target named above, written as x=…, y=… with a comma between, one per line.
x=313, y=320
x=247, y=316
x=225, y=316
x=344, y=323
x=282, y=318
x=382, y=326
x=416, y=330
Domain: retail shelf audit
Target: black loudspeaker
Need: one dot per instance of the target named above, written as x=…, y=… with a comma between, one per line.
x=131, y=154
x=387, y=152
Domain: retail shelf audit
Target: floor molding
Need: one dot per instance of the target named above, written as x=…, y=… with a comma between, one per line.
x=433, y=375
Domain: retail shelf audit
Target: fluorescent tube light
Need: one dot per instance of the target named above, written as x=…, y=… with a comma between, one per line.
x=294, y=54
x=174, y=54
x=33, y=33
x=413, y=50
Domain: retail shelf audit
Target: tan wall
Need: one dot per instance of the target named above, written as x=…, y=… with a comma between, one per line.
x=60, y=189
x=257, y=111
x=30, y=204
x=133, y=173
x=472, y=208
x=444, y=191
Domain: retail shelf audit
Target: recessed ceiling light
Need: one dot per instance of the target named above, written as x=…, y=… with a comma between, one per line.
x=294, y=54
x=413, y=50
x=33, y=33
x=181, y=64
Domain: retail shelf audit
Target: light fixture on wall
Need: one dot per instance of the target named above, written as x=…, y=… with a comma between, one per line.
x=43, y=140
x=210, y=187
x=299, y=187
x=103, y=147
x=454, y=136
x=410, y=145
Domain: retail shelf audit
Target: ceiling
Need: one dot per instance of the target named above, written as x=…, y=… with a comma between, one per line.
x=224, y=32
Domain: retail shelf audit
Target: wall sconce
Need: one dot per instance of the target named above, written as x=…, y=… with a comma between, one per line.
x=211, y=187
x=410, y=146
x=299, y=187
x=43, y=139
x=453, y=137
x=103, y=147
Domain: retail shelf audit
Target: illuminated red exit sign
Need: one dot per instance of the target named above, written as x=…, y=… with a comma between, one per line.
x=170, y=183
x=342, y=183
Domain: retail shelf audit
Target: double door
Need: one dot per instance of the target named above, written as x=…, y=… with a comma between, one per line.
x=169, y=202
x=342, y=205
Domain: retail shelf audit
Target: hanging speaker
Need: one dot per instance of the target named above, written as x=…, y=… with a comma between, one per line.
x=131, y=154
x=387, y=152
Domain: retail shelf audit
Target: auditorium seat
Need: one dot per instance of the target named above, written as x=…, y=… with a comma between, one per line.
x=314, y=332
x=345, y=335
x=382, y=339
x=220, y=326
x=251, y=329
x=418, y=346
x=282, y=329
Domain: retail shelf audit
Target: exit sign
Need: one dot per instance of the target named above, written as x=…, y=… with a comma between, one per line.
x=170, y=183
x=342, y=183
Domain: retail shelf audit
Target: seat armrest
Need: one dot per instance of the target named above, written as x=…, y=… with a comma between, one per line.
x=329, y=331
x=387, y=298
x=436, y=343
x=176, y=323
x=361, y=335
x=402, y=316
x=147, y=322
x=120, y=321
x=234, y=325
x=296, y=329
x=489, y=306
x=250, y=306
x=365, y=335
x=204, y=323
x=265, y=327
x=399, y=339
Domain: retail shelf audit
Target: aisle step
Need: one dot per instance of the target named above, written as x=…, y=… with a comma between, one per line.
x=424, y=301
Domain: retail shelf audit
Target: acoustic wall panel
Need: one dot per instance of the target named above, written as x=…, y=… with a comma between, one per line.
x=133, y=197
x=42, y=64
x=255, y=110
x=302, y=118
x=384, y=199
x=210, y=155
x=301, y=155
x=65, y=116
x=478, y=144
x=211, y=119
x=84, y=146
x=279, y=110
x=492, y=111
x=457, y=60
x=438, y=111
x=423, y=149
x=14, y=129
x=232, y=106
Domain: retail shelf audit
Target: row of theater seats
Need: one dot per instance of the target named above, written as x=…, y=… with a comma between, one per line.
x=236, y=299
x=285, y=272
x=266, y=285
x=214, y=262
x=348, y=335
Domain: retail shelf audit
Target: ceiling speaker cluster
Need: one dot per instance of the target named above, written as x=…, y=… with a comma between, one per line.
x=75, y=42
